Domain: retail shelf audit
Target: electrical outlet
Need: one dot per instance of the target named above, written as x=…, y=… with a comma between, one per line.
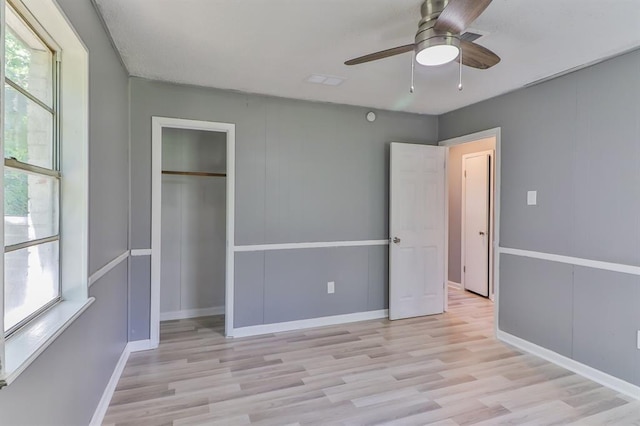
x=331, y=287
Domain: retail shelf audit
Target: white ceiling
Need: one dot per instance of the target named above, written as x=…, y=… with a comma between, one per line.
x=272, y=47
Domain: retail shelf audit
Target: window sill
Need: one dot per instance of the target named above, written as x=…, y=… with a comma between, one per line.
x=27, y=344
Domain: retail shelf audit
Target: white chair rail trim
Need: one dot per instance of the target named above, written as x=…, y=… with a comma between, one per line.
x=320, y=244
x=597, y=264
x=108, y=267
x=141, y=252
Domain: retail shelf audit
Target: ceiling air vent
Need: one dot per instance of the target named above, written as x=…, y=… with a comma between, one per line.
x=469, y=36
x=327, y=80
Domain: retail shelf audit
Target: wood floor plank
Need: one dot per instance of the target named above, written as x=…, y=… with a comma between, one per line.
x=444, y=370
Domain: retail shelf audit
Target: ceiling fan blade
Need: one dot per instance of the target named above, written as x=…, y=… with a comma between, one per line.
x=476, y=56
x=458, y=14
x=381, y=55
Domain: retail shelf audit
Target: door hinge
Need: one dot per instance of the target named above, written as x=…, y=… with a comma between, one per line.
x=464, y=269
x=465, y=173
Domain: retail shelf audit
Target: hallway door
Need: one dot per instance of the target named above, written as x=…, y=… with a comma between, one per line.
x=475, y=222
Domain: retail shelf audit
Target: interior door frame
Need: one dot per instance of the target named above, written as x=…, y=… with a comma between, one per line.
x=489, y=133
x=157, y=124
x=463, y=224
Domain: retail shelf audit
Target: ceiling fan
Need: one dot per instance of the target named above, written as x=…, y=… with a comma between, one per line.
x=438, y=39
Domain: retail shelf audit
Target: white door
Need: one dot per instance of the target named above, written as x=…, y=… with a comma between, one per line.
x=417, y=230
x=475, y=223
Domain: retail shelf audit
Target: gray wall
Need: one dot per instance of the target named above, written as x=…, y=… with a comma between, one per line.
x=193, y=221
x=189, y=150
x=454, y=183
x=305, y=172
x=575, y=140
x=65, y=383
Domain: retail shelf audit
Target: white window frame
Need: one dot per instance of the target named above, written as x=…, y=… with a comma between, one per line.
x=25, y=345
x=29, y=168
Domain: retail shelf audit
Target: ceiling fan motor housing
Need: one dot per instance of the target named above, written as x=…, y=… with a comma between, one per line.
x=427, y=35
x=431, y=37
x=431, y=9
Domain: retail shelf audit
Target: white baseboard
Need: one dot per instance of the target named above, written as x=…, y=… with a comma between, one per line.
x=105, y=400
x=256, y=330
x=191, y=313
x=140, y=345
x=590, y=373
x=455, y=284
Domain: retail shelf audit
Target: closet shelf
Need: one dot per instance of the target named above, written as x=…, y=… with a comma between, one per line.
x=172, y=172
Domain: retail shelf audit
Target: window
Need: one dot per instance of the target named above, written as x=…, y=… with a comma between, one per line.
x=45, y=129
x=31, y=176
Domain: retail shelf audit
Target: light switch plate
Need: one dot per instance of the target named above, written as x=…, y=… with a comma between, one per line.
x=331, y=287
x=532, y=198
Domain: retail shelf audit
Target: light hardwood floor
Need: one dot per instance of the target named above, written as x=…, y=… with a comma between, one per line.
x=445, y=370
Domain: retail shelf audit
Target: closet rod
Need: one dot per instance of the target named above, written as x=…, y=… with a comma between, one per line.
x=171, y=172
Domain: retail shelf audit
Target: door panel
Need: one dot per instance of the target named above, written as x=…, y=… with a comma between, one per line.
x=476, y=223
x=417, y=230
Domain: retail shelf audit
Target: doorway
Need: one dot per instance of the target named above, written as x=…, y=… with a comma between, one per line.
x=473, y=205
x=192, y=221
x=420, y=224
x=193, y=236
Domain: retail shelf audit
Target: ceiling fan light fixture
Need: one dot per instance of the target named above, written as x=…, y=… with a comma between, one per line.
x=440, y=38
x=437, y=50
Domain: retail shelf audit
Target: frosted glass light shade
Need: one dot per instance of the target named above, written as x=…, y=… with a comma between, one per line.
x=437, y=55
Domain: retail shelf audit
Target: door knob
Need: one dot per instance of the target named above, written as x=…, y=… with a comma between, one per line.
x=396, y=240
x=481, y=233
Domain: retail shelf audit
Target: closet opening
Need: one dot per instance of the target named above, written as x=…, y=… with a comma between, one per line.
x=192, y=275
x=192, y=227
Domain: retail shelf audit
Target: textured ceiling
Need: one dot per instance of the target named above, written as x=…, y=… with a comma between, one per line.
x=272, y=47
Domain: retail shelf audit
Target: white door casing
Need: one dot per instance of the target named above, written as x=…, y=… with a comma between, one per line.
x=417, y=230
x=475, y=222
x=157, y=124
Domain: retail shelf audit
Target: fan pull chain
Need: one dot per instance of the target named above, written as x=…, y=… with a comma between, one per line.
x=413, y=66
x=460, y=74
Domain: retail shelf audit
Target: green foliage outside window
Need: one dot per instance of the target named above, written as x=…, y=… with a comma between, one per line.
x=17, y=61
